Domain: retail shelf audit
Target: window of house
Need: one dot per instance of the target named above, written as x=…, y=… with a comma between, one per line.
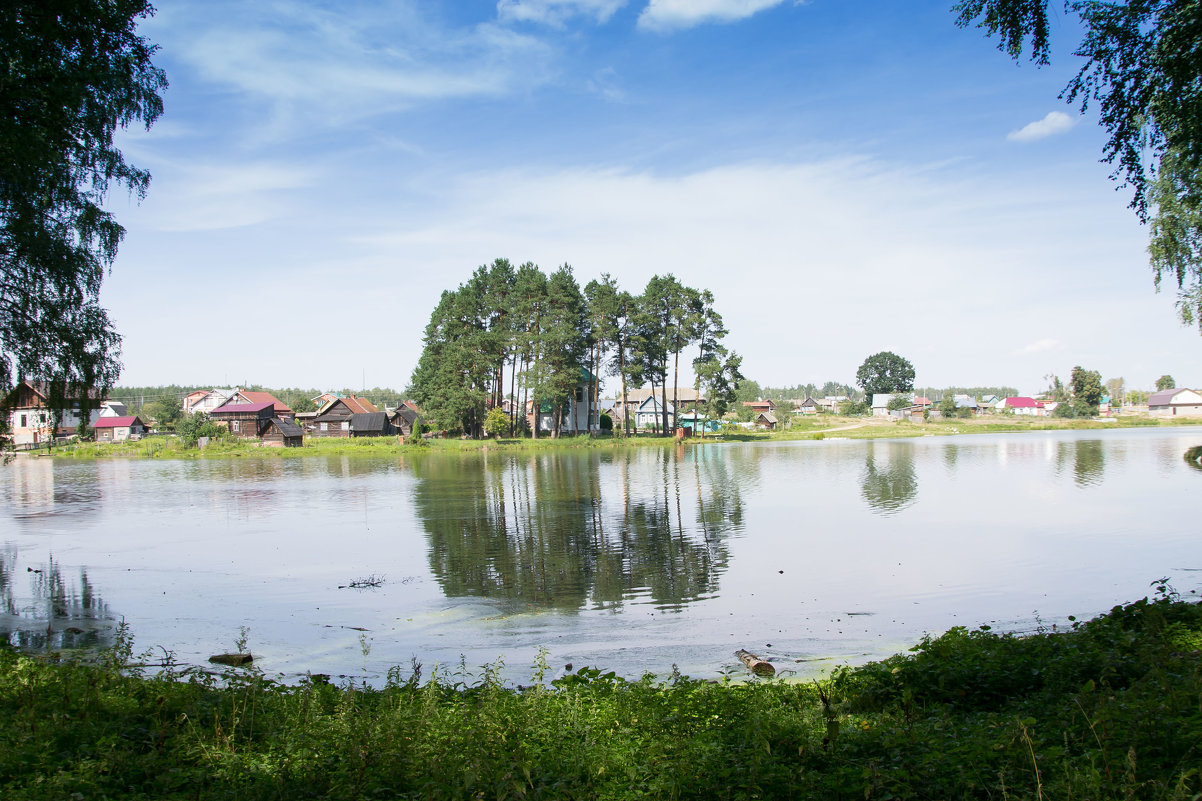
x=234, y=427
x=23, y=423
x=346, y=425
x=325, y=426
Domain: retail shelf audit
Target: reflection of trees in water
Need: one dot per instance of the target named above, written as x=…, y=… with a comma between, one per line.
x=889, y=483
x=542, y=530
x=56, y=615
x=1193, y=457
x=1088, y=460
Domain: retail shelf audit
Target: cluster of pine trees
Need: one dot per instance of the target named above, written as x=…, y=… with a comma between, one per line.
x=516, y=333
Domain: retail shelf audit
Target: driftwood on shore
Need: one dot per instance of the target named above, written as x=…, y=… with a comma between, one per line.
x=756, y=665
x=234, y=660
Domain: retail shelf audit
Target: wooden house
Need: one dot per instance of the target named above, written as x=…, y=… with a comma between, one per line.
x=282, y=433
x=119, y=429
x=334, y=418
x=281, y=409
x=766, y=421
x=405, y=420
x=246, y=420
x=371, y=424
x=30, y=419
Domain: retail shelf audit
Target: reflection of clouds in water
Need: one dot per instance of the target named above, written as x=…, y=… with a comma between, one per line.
x=889, y=483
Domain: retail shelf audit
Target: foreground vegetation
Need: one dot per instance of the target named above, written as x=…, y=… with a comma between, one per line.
x=1109, y=709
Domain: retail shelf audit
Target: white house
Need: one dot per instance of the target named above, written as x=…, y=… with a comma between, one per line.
x=208, y=401
x=30, y=419
x=1175, y=403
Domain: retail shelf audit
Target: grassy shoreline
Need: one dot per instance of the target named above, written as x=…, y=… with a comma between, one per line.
x=816, y=428
x=1111, y=708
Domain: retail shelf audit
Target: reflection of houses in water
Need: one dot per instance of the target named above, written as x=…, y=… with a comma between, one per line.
x=550, y=530
x=37, y=490
x=54, y=613
x=32, y=481
x=889, y=482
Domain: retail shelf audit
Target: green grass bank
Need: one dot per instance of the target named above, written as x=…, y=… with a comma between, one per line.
x=1111, y=709
x=811, y=428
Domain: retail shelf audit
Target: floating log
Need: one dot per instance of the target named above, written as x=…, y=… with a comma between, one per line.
x=756, y=665
x=233, y=660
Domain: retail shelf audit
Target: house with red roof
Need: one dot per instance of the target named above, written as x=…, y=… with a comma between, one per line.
x=119, y=429
x=281, y=409
x=334, y=418
x=1024, y=406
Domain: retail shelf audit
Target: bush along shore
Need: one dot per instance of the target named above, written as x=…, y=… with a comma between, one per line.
x=1111, y=708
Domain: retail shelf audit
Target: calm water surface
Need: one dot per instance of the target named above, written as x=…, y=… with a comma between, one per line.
x=634, y=560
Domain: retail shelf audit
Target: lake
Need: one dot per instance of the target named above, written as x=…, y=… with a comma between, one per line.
x=810, y=553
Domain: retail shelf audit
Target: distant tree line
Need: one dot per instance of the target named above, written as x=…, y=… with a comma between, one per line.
x=516, y=333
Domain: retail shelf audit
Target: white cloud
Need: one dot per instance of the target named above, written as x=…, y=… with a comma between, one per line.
x=556, y=12
x=664, y=15
x=1056, y=122
x=312, y=67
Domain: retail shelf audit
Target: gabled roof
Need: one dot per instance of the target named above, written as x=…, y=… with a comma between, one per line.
x=287, y=427
x=368, y=421
x=1023, y=403
x=1164, y=397
x=263, y=397
x=881, y=399
x=118, y=422
x=244, y=408
x=767, y=417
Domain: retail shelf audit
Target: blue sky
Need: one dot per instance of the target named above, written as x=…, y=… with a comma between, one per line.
x=847, y=176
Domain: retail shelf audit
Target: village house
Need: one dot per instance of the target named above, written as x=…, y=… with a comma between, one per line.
x=1028, y=407
x=648, y=415
x=241, y=396
x=334, y=418
x=282, y=433
x=758, y=406
x=405, y=420
x=119, y=429
x=1175, y=403
x=30, y=418
x=246, y=420
x=371, y=424
x=808, y=406
x=580, y=415
x=113, y=409
x=831, y=403
x=880, y=403
x=688, y=397
x=206, y=400
x=766, y=421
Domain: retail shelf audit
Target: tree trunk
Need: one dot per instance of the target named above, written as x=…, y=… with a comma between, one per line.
x=756, y=665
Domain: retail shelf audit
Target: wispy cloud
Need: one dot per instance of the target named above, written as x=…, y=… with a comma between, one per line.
x=320, y=67
x=208, y=197
x=666, y=15
x=605, y=83
x=556, y=12
x=1056, y=122
x=1039, y=346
